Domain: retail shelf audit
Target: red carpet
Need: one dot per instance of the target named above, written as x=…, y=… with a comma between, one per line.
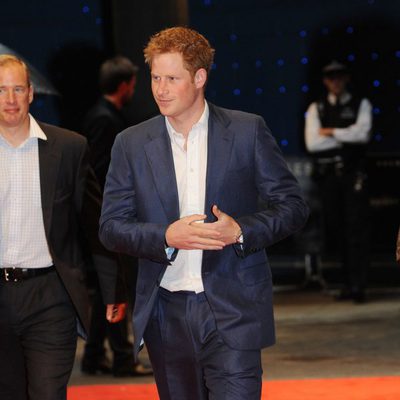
x=376, y=388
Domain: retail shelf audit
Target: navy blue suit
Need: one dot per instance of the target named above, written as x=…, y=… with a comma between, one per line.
x=245, y=169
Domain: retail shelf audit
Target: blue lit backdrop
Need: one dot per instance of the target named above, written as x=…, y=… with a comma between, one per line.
x=269, y=55
x=268, y=60
x=41, y=32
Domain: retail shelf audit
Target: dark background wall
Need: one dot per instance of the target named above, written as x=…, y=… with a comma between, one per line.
x=270, y=54
x=56, y=37
x=268, y=59
x=67, y=41
x=133, y=22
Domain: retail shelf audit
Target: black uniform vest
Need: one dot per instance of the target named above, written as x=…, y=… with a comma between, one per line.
x=338, y=115
x=341, y=116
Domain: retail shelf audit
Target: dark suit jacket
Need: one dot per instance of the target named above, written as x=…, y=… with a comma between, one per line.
x=71, y=208
x=101, y=125
x=244, y=166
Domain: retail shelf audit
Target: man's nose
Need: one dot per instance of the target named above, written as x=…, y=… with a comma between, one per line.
x=10, y=96
x=162, y=87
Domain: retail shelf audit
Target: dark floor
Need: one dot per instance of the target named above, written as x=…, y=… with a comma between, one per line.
x=318, y=338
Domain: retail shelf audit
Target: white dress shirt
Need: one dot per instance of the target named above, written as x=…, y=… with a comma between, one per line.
x=190, y=170
x=23, y=242
x=359, y=132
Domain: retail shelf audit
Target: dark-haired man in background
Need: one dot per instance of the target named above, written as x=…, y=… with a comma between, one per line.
x=117, y=81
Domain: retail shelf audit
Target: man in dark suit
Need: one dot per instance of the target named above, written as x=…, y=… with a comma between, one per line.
x=102, y=123
x=117, y=80
x=184, y=193
x=47, y=195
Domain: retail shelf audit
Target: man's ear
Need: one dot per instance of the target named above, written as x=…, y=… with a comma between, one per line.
x=200, y=78
x=30, y=93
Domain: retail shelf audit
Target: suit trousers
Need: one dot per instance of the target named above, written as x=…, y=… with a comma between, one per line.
x=38, y=338
x=189, y=358
x=117, y=335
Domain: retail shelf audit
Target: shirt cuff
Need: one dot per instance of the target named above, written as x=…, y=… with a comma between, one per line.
x=169, y=251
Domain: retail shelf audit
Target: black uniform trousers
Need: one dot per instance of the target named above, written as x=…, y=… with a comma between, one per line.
x=346, y=222
x=38, y=335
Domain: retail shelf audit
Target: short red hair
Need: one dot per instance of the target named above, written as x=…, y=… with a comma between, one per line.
x=194, y=47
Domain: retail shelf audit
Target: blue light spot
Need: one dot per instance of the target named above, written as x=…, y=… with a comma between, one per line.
x=207, y=2
x=398, y=82
x=284, y=142
x=303, y=33
x=99, y=21
x=235, y=65
x=304, y=60
x=325, y=31
x=213, y=66
x=351, y=57
x=233, y=37
x=259, y=91
x=370, y=2
x=378, y=137
x=398, y=53
x=376, y=110
x=282, y=89
x=236, y=92
x=85, y=9
x=280, y=62
x=350, y=29
x=258, y=64
x=374, y=56
x=376, y=83
x=304, y=88
x=39, y=103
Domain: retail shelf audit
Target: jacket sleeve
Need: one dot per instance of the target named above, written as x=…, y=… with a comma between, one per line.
x=120, y=229
x=283, y=210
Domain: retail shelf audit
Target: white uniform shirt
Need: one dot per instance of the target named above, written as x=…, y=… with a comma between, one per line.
x=190, y=169
x=23, y=242
x=359, y=132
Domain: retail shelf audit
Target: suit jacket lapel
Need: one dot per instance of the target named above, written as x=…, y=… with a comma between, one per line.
x=220, y=141
x=49, y=161
x=159, y=155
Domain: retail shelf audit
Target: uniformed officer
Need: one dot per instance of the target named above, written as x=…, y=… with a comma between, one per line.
x=337, y=131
